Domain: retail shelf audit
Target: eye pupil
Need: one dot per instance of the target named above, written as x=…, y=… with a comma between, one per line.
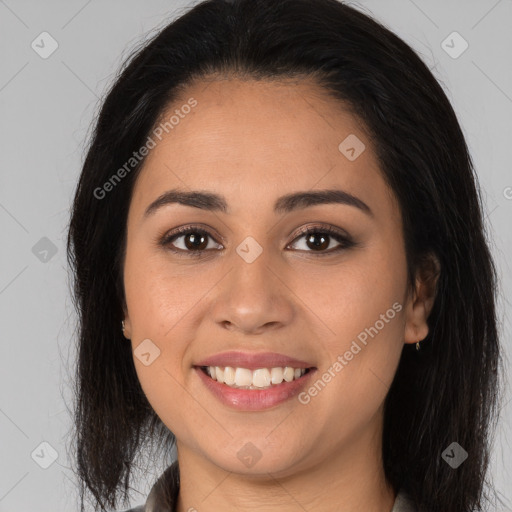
x=196, y=241
x=321, y=245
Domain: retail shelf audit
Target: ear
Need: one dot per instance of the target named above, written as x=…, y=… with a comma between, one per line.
x=423, y=296
x=127, y=332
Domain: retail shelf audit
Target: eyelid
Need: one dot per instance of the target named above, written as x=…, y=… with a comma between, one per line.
x=321, y=227
x=207, y=230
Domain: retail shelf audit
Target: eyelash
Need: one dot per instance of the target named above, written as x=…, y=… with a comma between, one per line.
x=345, y=241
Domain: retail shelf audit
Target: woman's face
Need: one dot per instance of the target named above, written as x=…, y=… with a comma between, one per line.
x=255, y=284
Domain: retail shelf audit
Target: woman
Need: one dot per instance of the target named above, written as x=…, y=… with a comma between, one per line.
x=279, y=208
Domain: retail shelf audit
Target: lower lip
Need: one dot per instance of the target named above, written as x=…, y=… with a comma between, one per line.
x=254, y=399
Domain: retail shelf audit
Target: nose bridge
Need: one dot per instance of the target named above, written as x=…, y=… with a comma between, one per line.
x=253, y=294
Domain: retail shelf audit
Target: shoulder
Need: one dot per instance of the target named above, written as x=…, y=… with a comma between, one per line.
x=403, y=503
x=163, y=494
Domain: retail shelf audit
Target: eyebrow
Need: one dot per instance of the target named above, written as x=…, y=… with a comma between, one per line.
x=285, y=204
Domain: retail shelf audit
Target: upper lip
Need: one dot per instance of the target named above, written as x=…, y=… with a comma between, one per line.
x=253, y=360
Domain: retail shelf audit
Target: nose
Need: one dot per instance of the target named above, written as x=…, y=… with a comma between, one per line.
x=254, y=297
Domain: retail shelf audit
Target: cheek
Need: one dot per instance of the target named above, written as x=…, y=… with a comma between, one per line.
x=155, y=296
x=362, y=305
x=156, y=303
x=353, y=297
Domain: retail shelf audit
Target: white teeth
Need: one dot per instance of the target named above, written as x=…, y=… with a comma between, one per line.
x=243, y=376
x=229, y=375
x=288, y=374
x=257, y=379
x=261, y=378
x=276, y=375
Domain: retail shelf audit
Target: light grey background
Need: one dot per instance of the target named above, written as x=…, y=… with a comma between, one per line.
x=46, y=108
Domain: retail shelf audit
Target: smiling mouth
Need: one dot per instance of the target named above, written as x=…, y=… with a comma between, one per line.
x=261, y=378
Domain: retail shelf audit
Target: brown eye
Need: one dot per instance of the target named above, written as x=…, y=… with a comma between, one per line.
x=195, y=241
x=319, y=239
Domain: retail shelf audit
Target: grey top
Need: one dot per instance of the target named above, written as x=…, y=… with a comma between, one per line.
x=164, y=493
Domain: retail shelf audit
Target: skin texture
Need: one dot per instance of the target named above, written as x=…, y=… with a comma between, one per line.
x=253, y=142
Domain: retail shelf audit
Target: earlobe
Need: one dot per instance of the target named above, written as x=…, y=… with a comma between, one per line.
x=416, y=327
x=126, y=327
x=420, y=306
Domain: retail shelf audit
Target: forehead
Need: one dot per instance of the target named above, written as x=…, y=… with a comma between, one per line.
x=253, y=139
